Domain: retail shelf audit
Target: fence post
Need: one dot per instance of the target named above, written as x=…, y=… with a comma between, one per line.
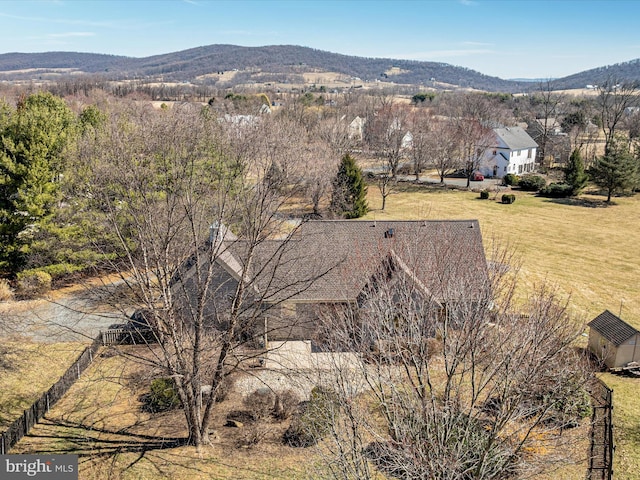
x=611, y=446
x=21, y=426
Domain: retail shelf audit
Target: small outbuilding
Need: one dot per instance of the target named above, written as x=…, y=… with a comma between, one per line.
x=613, y=340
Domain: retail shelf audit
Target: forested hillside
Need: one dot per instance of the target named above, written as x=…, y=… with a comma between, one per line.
x=189, y=65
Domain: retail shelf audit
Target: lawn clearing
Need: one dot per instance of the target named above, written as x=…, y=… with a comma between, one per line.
x=590, y=253
x=27, y=370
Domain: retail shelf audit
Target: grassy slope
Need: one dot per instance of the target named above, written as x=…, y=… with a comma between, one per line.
x=22, y=377
x=589, y=253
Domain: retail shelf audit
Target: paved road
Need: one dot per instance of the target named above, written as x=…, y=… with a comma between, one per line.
x=489, y=183
x=77, y=317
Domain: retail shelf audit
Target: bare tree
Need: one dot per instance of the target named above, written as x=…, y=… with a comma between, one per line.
x=443, y=147
x=467, y=389
x=472, y=115
x=545, y=104
x=167, y=183
x=321, y=165
x=333, y=130
x=386, y=183
x=614, y=97
x=385, y=133
x=475, y=139
x=420, y=124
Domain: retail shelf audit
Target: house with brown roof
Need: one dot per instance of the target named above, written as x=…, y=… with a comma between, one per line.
x=328, y=264
x=613, y=340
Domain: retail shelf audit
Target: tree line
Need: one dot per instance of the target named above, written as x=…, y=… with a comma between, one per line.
x=311, y=149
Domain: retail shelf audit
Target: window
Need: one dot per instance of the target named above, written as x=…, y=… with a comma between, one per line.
x=519, y=168
x=529, y=153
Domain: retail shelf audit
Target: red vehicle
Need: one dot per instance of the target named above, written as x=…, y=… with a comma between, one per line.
x=477, y=177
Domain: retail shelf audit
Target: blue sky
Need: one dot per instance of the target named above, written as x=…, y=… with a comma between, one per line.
x=508, y=38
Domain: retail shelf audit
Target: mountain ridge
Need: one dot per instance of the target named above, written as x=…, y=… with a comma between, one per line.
x=195, y=64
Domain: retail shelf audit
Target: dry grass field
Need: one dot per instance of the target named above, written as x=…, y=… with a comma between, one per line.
x=29, y=369
x=589, y=250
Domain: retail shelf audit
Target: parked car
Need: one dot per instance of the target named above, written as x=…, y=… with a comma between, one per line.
x=477, y=177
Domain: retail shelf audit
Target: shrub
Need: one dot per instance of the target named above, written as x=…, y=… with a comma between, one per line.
x=510, y=179
x=531, y=183
x=252, y=436
x=314, y=422
x=484, y=195
x=6, y=293
x=162, y=396
x=508, y=198
x=32, y=283
x=557, y=190
x=60, y=269
x=405, y=169
x=286, y=404
x=260, y=403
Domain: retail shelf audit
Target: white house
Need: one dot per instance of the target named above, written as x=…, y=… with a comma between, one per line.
x=356, y=128
x=514, y=152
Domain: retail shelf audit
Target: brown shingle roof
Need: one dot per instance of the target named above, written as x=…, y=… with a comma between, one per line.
x=332, y=261
x=612, y=328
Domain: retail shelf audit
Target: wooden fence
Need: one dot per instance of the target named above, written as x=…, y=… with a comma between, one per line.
x=602, y=448
x=128, y=336
x=30, y=417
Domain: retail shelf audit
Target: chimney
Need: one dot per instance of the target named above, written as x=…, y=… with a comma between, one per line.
x=214, y=231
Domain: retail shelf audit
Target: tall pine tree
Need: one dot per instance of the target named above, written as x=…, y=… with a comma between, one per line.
x=617, y=170
x=33, y=139
x=349, y=197
x=574, y=173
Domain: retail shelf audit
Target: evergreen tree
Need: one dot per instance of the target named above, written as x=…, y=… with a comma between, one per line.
x=349, y=197
x=33, y=139
x=616, y=170
x=574, y=173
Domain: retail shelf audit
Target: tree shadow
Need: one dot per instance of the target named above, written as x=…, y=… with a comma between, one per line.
x=95, y=445
x=89, y=440
x=581, y=202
